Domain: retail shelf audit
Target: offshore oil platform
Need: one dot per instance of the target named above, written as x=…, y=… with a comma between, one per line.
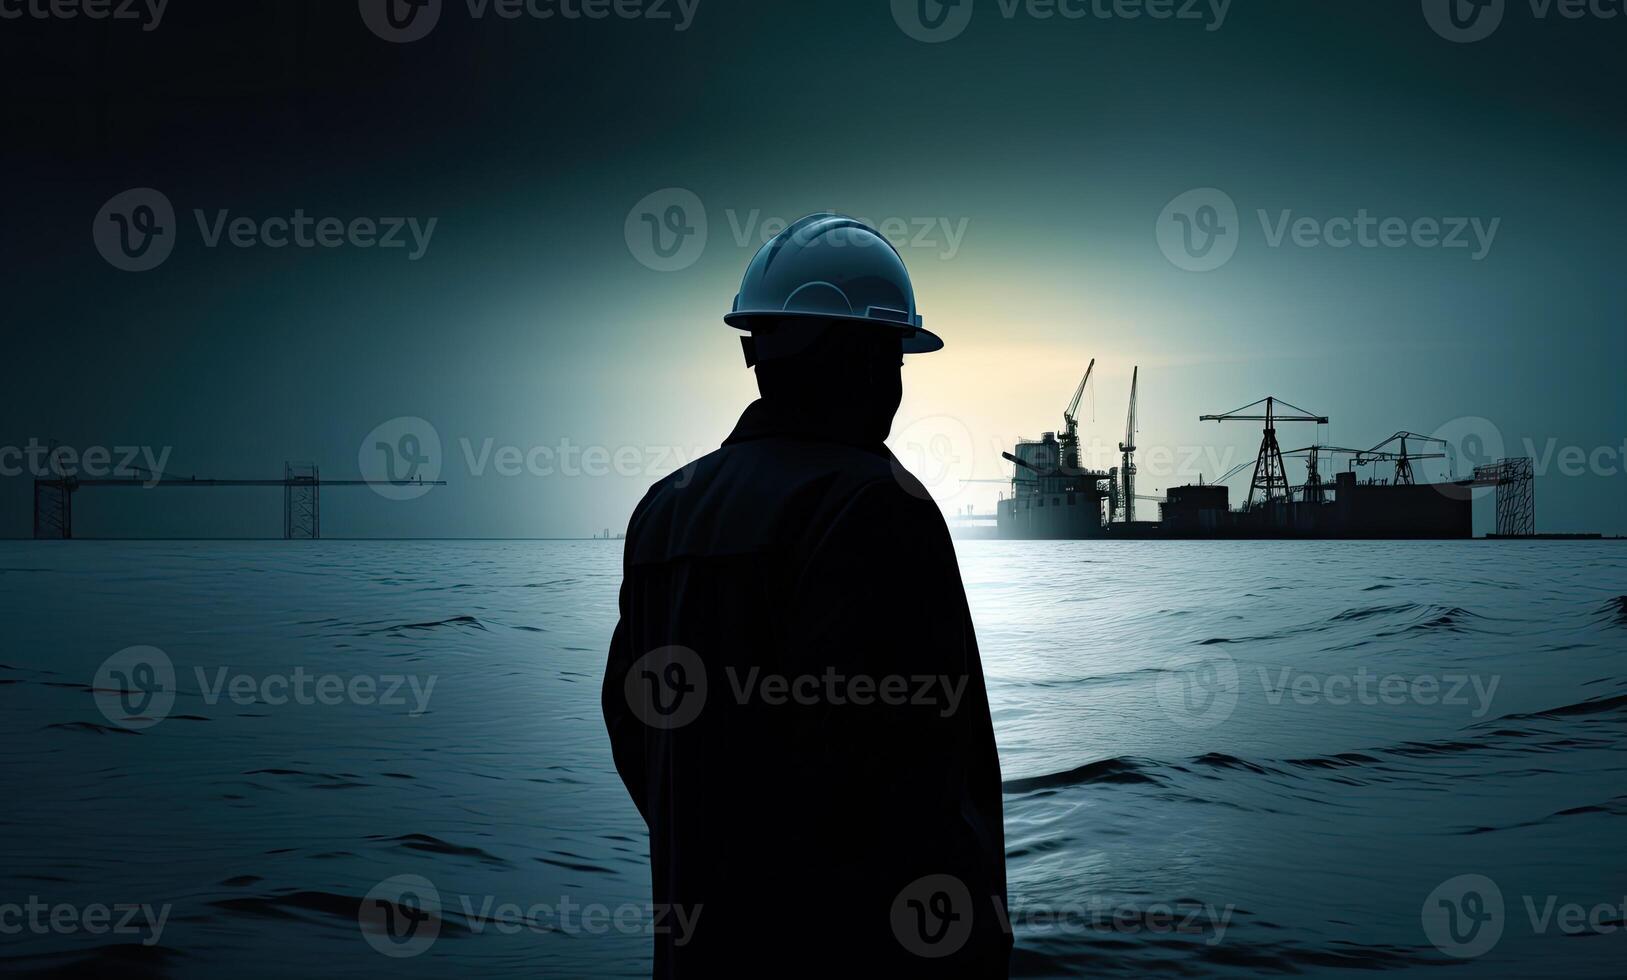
x=1054, y=496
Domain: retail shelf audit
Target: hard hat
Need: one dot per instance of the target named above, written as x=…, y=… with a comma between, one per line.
x=829, y=266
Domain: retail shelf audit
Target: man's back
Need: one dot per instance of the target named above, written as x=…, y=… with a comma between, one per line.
x=796, y=705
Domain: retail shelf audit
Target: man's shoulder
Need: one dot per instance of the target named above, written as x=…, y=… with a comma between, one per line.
x=780, y=463
x=757, y=493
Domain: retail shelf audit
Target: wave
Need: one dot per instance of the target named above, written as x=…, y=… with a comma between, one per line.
x=1173, y=953
x=91, y=727
x=1614, y=611
x=290, y=905
x=1509, y=736
x=457, y=622
x=434, y=845
x=1116, y=770
x=1615, y=807
x=1425, y=618
x=1591, y=706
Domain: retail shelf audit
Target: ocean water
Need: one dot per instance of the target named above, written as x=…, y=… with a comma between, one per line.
x=1221, y=758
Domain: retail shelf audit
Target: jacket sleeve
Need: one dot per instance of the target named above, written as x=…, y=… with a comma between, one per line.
x=627, y=732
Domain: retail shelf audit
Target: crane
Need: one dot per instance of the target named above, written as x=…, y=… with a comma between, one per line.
x=1403, y=458
x=1128, y=447
x=1312, y=491
x=1270, y=475
x=1070, y=427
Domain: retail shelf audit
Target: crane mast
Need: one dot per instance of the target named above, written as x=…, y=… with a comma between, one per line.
x=1127, y=474
x=1403, y=459
x=1070, y=425
x=1270, y=476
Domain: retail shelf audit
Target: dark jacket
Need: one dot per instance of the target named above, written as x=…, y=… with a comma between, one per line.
x=796, y=705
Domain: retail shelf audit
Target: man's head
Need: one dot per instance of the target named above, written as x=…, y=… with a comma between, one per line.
x=842, y=374
x=831, y=312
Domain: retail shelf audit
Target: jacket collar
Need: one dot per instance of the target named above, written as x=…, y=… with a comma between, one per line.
x=763, y=419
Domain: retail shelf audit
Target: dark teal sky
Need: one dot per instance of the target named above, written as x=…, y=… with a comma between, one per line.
x=1051, y=145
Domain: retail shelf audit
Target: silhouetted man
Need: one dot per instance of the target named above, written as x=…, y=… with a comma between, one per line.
x=794, y=695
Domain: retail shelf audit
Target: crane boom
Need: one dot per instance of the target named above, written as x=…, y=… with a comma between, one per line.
x=1073, y=406
x=1129, y=443
x=1070, y=427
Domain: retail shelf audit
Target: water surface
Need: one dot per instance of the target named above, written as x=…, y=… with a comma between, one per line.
x=1198, y=782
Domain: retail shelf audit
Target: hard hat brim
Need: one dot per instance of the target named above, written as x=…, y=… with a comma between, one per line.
x=917, y=340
